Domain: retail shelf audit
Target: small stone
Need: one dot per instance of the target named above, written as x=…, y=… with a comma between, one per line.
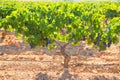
x=94, y=71
x=95, y=78
x=102, y=78
x=41, y=76
x=115, y=78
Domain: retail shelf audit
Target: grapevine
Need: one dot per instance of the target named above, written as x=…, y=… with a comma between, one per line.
x=42, y=23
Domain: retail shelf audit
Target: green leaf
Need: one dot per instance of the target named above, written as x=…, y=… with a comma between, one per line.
x=18, y=35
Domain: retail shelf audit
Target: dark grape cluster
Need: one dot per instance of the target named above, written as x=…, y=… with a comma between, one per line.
x=109, y=42
x=91, y=36
x=104, y=44
x=32, y=45
x=73, y=35
x=48, y=41
x=84, y=38
x=97, y=39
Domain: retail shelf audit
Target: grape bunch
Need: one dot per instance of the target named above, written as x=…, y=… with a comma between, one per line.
x=73, y=35
x=91, y=36
x=104, y=44
x=97, y=39
x=84, y=38
x=109, y=42
x=48, y=41
x=32, y=45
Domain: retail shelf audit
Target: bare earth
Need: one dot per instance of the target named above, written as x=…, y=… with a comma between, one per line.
x=27, y=64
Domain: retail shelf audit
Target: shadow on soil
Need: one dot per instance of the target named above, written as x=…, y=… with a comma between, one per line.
x=66, y=75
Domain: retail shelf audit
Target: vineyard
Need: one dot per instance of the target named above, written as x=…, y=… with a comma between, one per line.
x=59, y=40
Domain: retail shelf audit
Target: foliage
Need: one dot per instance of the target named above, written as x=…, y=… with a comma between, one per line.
x=43, y=23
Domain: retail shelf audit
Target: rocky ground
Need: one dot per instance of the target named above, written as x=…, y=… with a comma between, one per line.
x=41, y=64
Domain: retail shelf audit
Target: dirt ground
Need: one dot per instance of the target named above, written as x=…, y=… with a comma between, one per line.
x=40, y=64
